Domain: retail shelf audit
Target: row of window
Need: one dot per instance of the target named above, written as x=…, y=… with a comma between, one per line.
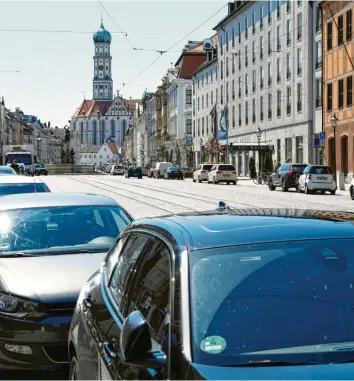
x=344, y=89
x=339, y=26
x=237, y=31
x=94, y=156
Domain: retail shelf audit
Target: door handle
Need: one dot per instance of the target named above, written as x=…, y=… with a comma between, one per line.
x=87, y=302
x=107, y=346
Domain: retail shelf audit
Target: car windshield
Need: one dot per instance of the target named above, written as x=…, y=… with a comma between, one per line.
x=60, y=230
x=298, y=168
x=226, y=168
x=289, y=301
x=321, y=171
x=7, y=189
x=207, y=167
x=7, y=171
x=173, y=169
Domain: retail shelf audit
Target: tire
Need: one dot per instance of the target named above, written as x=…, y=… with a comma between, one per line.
x=351, y=191
x=323, y=192
x=228, y=182
x=140, y=177
x=199, y=181
x=234, y=182
x=74, y=373
x=214, y=181
x=271, y=186
x=194, y=180
x=283, y=186
x=333, y=193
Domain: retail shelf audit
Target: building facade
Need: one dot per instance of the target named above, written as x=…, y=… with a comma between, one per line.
x=338, y=68
x=265, y=54
x=108, y=153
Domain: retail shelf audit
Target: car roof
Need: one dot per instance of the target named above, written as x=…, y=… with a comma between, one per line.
x=11, y=179
x=202, y=230
x=52, y=199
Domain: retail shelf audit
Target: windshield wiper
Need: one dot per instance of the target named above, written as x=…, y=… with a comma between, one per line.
x=17, y=255
x=261, y=363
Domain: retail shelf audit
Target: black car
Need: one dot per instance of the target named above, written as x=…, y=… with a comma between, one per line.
x=286, y=176
x=49, y=245
x=249, y=301
x=173, y=173
x=39, y=169
x=133, y=171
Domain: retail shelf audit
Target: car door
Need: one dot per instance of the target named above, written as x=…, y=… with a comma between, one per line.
x=98, y=306
x=303, y=177
x=150, y=294
x=276, y=178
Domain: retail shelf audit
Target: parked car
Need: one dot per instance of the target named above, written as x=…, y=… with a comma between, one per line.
x=249, y=301
x=117, y=170
x=144, y=171
x=222, y=173
x=21, y=184
x=173, y=173
x=39, y=169
x=286, y=176
x=49, y=246
x=317, y=178
x=201, y=173
x=133, y=171
x=6, y=170
x=160, y=169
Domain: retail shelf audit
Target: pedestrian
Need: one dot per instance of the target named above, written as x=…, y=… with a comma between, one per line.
x=15, y=166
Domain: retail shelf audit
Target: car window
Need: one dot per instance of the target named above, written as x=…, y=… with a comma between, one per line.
x=321, y=170
x=213, y=168
x=226, y=168
x=112, y=258
x=7, y=189
x=207, y=167
x=298, y=168
x=150, y=293
x=242, y=295
x=122, y=273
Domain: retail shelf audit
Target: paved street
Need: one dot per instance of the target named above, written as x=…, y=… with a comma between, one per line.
x=152, y=197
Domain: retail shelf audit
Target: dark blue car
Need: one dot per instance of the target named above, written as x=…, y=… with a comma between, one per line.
x=227, y=294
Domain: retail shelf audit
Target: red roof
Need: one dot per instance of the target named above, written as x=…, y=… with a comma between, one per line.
x=113, y=148
x=190, y=63
x=90, y=108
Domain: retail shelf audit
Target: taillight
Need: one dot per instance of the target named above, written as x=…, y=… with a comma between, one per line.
x=218, y=172
x=234, y=172
x=290, y=173
x=309, y=177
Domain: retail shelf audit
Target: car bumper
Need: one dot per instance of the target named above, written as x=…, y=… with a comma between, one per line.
x=201, y=177
x=225, y=178
x=176, y=176
x=322, y=186
x=47, y=341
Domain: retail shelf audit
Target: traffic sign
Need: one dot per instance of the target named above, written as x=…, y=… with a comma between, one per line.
x=322, y=135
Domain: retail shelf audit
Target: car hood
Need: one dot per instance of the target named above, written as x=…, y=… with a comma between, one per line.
x=49, y=278
x=306, y=372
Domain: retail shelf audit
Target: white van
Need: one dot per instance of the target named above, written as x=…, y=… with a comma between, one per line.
x=117, y=170
x=160, y=169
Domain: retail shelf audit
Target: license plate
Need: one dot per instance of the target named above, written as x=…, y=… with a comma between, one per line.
x=226, y=174
x=322, y=178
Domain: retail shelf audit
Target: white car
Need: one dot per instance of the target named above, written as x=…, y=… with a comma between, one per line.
x=117, y=170
x=222, y=173
x=201, y=173
x=317, y=178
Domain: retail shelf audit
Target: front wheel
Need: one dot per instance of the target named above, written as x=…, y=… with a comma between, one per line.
x=74, y=373
x=194, y=180
x=271, y=186
x=333, y=192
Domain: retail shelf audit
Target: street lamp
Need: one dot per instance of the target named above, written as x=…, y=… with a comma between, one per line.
x=334, y=122
x=259, y=135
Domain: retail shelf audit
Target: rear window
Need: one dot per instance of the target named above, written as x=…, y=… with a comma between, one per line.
x=321, y=170
x=7, y=189
x=298, y=168
x=226, y=168
x=207, y=167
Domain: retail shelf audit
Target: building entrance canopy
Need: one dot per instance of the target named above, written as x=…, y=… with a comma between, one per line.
x=252, y=147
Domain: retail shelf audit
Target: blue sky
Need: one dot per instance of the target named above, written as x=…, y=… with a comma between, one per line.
x=56, y=69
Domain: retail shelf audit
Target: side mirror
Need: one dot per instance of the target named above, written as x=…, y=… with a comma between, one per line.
x=135, y=343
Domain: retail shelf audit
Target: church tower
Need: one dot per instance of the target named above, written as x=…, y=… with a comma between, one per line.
x=102, y=79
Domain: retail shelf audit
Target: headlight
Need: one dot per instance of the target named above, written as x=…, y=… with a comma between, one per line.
x=13, y=306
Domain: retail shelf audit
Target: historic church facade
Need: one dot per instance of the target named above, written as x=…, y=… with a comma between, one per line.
x=106, y=116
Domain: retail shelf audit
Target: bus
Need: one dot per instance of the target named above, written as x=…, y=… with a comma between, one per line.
x=22, y=156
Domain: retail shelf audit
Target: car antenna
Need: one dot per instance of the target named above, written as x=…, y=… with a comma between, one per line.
x=222, y=206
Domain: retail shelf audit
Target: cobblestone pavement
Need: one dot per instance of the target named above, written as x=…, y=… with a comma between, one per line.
x=152, y=197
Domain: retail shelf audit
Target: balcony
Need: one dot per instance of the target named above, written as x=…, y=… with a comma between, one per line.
x=278, y=78
x=269, y=114
x=278, y=112
x=288, y=109
x=299, y=106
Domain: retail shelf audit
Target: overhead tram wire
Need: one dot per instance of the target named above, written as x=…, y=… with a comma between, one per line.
x=174, y=45
x=115, y=23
